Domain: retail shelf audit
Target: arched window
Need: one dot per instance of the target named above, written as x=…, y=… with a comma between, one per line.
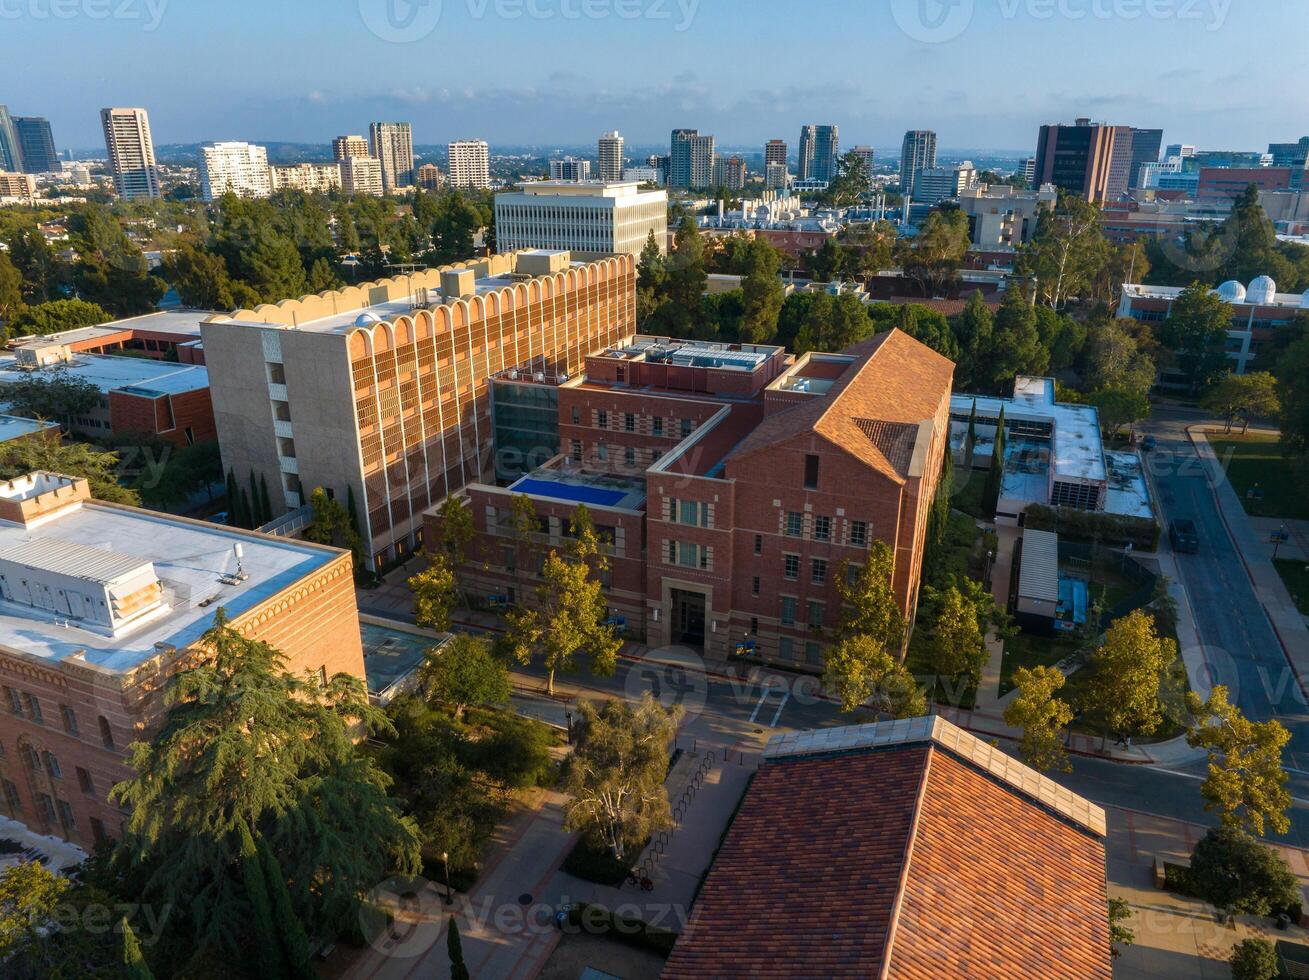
x=106, y=733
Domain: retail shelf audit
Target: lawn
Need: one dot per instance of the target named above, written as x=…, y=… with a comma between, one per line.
x=1296, y=576
x=1256, y=459
x=1030, y=650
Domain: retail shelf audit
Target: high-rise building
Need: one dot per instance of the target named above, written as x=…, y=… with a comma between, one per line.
x=570, y=169
x=311, y=178
x=917, y=152
x=1005, y=215
x=17, y=187
x=11, y=147
x=869, y=158
x=776, y=176
x=349, y=146
x=37, y=145
x=1029, y=170
x=729, y=173
x=1180, y=150
x=1145, y=149
x=611, y=157
x=1295, y=157
x=362, y=175
x=936, y=184
x=691, y=160
x=380, y=392
x=235, y=168
x=429, y=177
x=1092, y=159
x=590, y=220
x=470, y=164
x=393, y=145
x=819, y=149
x=131, y=152
x=775, y=152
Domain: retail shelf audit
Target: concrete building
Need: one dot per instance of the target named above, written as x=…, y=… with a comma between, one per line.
x=937, y=184
x=349, y=146
x=1029, y=171
x=1005, y=215
x=869, y=157
x=644, y=175
x=1162, y=217
x=691, y=162
x=819, y=152
x=362, y=175
x=917, y=153
x=11, y=147
x=1257, y=312
x=570, y=170
x=1229, y=183
x=17, y=188
x=776, y=177
x=470, y=164
x=311, y=178
x=1287, y=210
x=1293, y=156
x=1093, y=160
x=775, y=152
x=379, y=392
x=429, y=177
x=611, y=157
x=234, y=168
x=590, y=220
x=37, y=145
x=729, y=173
x=1182, y=150
x=101, y=604
x=131, y=152
x=733, y=482
x=1145, y=149
x=393, y=145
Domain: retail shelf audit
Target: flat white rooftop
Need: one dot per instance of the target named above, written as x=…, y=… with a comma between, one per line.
x=189, y=558
x=15, y=427
x=111, y=373
x=181, y=322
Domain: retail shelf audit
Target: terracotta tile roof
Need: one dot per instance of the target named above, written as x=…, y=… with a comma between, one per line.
x=897, y=860
x=893, y=379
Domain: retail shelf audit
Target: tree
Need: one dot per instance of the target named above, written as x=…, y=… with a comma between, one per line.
x=570, y=611
x=1115, y=359
x=271, y=265
x=455, y=529
x=455, y=949
x=1243, y=396
x=202, y=280
x=851, y=182
x=332, y=525
x=650, y=280
x=1254, y=959
x=269, y=949
x=524, y=527
x=1066, y=252
x=464, y=672
x=833, y=323
x=134, y=964
x=1236, y=874
x=29, y=897
x=1118, y=407
x=862, y=672
x=828, y=261
x=955, y=638
x=762, y=294
x=1195, y=332
x=973, y=328
x=290, y=931
x=616, y=775
x=868, y=599
x=434, y=593
x=243, y=742
x=38, y=265
x=1125, y=675
x=1041, y=716
x=1119, y=933
x=686, y=278
x=55, y=316
x=54, y=394
x=18, y=457
x=995, y=475
x=1293, y=393
x=933, y=257
x=11, y=289
x=458, y=220
x=1246, y=783
x=1015, y=345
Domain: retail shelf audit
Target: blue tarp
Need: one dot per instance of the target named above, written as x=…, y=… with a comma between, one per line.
x=569, y=491
x=1073, y=602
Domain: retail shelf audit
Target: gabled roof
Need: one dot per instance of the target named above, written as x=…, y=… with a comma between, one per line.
x=894, y=383
x=906, y=849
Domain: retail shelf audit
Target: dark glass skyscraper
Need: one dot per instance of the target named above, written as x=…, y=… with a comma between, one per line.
x=37, y=145
x=11, y=150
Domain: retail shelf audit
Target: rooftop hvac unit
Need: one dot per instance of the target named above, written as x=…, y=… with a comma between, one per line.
x=539, y=376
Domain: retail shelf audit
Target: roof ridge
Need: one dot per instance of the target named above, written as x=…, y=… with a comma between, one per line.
x=893, y=921
x=835, y=396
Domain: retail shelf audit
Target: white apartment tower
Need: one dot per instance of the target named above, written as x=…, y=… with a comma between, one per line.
x=362, y=175
x=349, y=146
x=470, y=164
x=589, y=220
x=570, y=169
x=393, y=145
x=312, y=178
x=611, y=157
x=237, y=168
x=131, y=152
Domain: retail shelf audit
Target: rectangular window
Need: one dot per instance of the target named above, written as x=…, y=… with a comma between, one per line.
x=602, y=419
x=811, y=472
x=794, y=524
x=754, y=585
x=577, y=415
x=788, y=610
x=819, y=569
x=576, y=450
x=813, y=654
x=786, y=648
x=859, y=533
x=98, y=830
x=758, y=544
x=33, y=705
x=629, y=456
x=815, y=615
x=15, y=700
x=52, y=766
x=688, y=554
x=84, y=781
x=687, y=427
x=690, y=512
x=791, y=567
x=46, y=806
x=852, y=573
x=822, y=529
x=629, y=422
x=657, y=426
x=65, y=816
x=70, y=719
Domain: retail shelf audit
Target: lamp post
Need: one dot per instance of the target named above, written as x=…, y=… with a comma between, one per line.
x=990, y=556
x=1280, y=536
x=445, y=867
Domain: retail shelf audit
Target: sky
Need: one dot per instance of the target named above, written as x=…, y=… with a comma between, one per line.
x=1222, y=74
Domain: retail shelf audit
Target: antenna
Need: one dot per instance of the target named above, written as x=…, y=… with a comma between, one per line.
x=240, y=553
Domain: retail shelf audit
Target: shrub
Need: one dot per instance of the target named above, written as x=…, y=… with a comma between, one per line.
x=598, y=920
x=597, y=864
x=1254, y=959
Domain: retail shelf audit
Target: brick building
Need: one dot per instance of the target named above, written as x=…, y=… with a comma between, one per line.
x=733, y=481
x=101, y=604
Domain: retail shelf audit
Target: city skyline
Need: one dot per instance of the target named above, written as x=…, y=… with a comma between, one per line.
x=298, y=96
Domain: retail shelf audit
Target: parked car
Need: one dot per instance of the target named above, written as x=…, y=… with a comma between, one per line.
x=1148, y=444
x=1183, y=535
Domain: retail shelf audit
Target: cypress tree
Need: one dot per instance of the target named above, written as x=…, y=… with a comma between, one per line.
x=256, y=508
x=972, y=437
x=232, y=496
x=247, y=515
x=350, y=508
x=263, y=498
x=295, y=944
x=134, y=964
x=453, y=945
x=256, y=892
x=995, y=477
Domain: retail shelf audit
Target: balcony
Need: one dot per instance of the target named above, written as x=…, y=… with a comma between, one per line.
x=282, y=429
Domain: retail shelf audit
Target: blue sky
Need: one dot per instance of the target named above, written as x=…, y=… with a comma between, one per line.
x=983, y=73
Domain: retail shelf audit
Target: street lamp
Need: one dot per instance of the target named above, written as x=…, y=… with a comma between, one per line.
x=445, y=866
x=1280, y=537
x=990, y=556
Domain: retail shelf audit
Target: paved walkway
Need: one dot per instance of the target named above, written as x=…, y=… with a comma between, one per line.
x=1296, y=549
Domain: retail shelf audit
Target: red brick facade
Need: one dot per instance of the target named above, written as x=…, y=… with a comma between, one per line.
x=183, y=419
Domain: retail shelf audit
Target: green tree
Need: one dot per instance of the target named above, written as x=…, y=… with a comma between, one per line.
x=570, y=611
x=1119, y=933
x=332, y=525
x=29, y=897
x=1243, y=396
x=524, y=529
x=1235, y=873
x=1195, y=332
x=458, y=220
x=686, y=278
x=650, y=281
x=18, y=457
x=955, y=635
x=1015, y=346
x=455, y=529
x=868, y=600
x=762, y=294
x=134, y=964
x=1115, y=358
x=1254, y=959
x=464, y=672
x=202, y=280
x=973, y=328
x=933, y=257
x=55, y=316
x=1126, y=670
x=1041, y=716
x=243, y=742
x=272, y=267
x=11, y=289
x=851, y=183
x=38, y=265
x=290, y=931
x=1118, y=407
x=1066, y=252
x=615, y=778
x=53, y=394
x=455, y=949
x=828, y=261
x=995, y=475
x=1246, y=783
x=861, y=672
x=272, y=963
x=433, y=591
x=1293, y=393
